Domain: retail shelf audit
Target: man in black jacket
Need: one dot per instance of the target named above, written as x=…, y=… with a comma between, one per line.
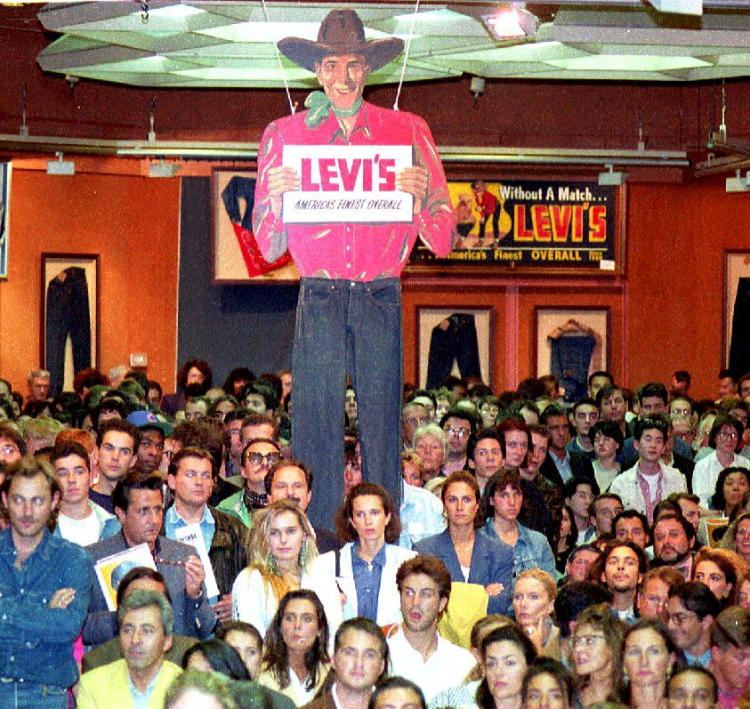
x=191, y=477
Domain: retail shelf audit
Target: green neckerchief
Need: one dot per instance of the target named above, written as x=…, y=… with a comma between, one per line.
x=320, y=107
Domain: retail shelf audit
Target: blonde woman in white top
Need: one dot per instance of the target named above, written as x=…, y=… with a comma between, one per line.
x=282, y=551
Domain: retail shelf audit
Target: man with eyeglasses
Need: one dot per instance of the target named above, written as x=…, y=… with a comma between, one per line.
x=458, y=425
x=691, y=609
x=258, y=457
x=191, y=476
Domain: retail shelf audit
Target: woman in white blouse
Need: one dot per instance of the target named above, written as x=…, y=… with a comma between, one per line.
x=725, y=437
x=365, y=568
x=282, y=551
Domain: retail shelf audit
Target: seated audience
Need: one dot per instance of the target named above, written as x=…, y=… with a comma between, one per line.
x=597, y=654
x=547, y=684
x=360, y=660
x=501, y=505
x=417, y=651
x=365, y=568
x=648, y=656
x=282, y=554
x=143, y=676
x=139, y=506
x=295, y=654
x=470, y=555
x=691, y=610
x=506, y=654
x=533, y=605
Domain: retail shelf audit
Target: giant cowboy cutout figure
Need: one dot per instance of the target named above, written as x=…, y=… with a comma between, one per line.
x=349, y=309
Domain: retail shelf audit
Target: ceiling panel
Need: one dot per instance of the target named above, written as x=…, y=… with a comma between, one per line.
x=206, y=44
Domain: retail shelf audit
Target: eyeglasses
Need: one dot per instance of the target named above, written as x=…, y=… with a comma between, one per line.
x=460, y=432
x=418, y=422
x=9, y=449
x=728, y=434
x=257, y=458
x=680, y=618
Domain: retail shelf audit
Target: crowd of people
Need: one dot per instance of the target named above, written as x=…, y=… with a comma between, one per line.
x=155, y=549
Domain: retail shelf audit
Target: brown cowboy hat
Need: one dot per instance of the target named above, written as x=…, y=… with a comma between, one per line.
x=341, y=32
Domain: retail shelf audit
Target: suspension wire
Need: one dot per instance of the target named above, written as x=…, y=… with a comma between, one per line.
x=292, y=105
x=406, y=54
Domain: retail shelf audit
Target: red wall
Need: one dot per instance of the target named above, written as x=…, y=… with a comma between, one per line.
x=132, y=223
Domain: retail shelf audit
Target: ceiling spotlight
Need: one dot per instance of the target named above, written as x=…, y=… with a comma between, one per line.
x=477, y=88
x=162, y=168
x=511, y=21
x=60, y=166
x=609, y=177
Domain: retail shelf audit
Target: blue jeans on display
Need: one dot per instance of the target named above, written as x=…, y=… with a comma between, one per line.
x=459, y=343
x=570, y=359
x=739, y=348
x=28, y=695
x=347, y=325
x=67, y=314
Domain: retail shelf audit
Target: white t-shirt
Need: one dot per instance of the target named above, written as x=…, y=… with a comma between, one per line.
x=80, y=531
x=446, y=667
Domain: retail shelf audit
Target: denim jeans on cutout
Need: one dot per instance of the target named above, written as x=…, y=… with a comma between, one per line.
x=347, y=325
x=25, y=695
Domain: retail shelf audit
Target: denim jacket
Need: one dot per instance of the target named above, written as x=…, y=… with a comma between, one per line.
x=532, y=550
x=36, y=642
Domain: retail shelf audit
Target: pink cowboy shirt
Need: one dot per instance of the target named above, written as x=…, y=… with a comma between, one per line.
x=355, y=252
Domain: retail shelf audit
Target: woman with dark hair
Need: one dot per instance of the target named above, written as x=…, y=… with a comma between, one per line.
x=547, y=684
x=564, y=540
x=597, y=646
x=468, y=553
x=731, y=485
x=295, y=659
x=726, y=435
x=648, y=657
x=368, y=522
x=215, y=656
x=506, y=655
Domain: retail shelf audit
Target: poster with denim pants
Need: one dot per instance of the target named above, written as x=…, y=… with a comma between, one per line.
x=458, y=342
x=355, y=326
x=570, y=359
x=68, y=313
